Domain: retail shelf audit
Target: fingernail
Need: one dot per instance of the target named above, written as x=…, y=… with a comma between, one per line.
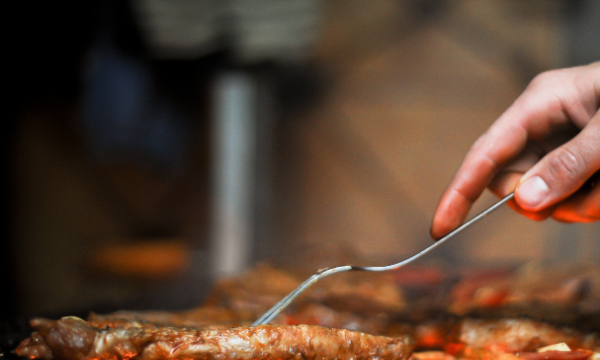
x=533, y=191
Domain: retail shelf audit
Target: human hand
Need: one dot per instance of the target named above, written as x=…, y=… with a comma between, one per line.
x=545, y=147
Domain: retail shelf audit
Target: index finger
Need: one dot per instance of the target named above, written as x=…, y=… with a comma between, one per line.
x=552, y=102
x=503, y=141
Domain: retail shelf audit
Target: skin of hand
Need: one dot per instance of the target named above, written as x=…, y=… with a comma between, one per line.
x=545, y=147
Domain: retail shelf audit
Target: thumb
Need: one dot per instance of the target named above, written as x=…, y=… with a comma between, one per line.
x=561, y=172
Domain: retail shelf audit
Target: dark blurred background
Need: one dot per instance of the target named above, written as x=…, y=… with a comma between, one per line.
x=151, y=146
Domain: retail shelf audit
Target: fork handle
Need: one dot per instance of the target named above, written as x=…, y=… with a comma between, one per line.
x=283, y=303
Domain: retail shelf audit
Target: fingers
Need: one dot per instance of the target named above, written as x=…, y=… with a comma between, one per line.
x=551, y=110
x=563, y=171
x=502, y=142
x=504, y=183
x=583, y=206
x=507, y=179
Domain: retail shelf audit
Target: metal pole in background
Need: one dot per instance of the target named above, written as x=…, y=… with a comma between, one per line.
x=234, y=157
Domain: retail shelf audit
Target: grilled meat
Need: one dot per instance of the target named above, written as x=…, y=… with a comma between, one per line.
x=74, y=338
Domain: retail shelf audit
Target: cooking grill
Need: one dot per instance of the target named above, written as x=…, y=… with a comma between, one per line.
x=429, y=294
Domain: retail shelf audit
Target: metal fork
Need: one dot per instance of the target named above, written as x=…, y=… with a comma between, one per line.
x=277, y=308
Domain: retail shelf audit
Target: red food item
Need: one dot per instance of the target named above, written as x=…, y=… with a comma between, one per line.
x=454, y=348
x=430, y=336
x=431, y=355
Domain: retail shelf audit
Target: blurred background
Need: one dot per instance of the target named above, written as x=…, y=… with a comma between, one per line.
x=154, y=146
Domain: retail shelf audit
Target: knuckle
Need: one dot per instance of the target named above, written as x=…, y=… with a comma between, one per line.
x=479, y=151
x=566, y=165
x=545, y=77
x=478, y=143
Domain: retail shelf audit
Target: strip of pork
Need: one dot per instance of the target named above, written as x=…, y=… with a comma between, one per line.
x=74, y=338
x=518, y=335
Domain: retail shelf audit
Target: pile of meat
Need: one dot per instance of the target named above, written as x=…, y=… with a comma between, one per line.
x=422, y=315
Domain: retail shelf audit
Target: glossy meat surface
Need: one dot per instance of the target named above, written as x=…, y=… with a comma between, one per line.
x=518, y=335
x=74, y=338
